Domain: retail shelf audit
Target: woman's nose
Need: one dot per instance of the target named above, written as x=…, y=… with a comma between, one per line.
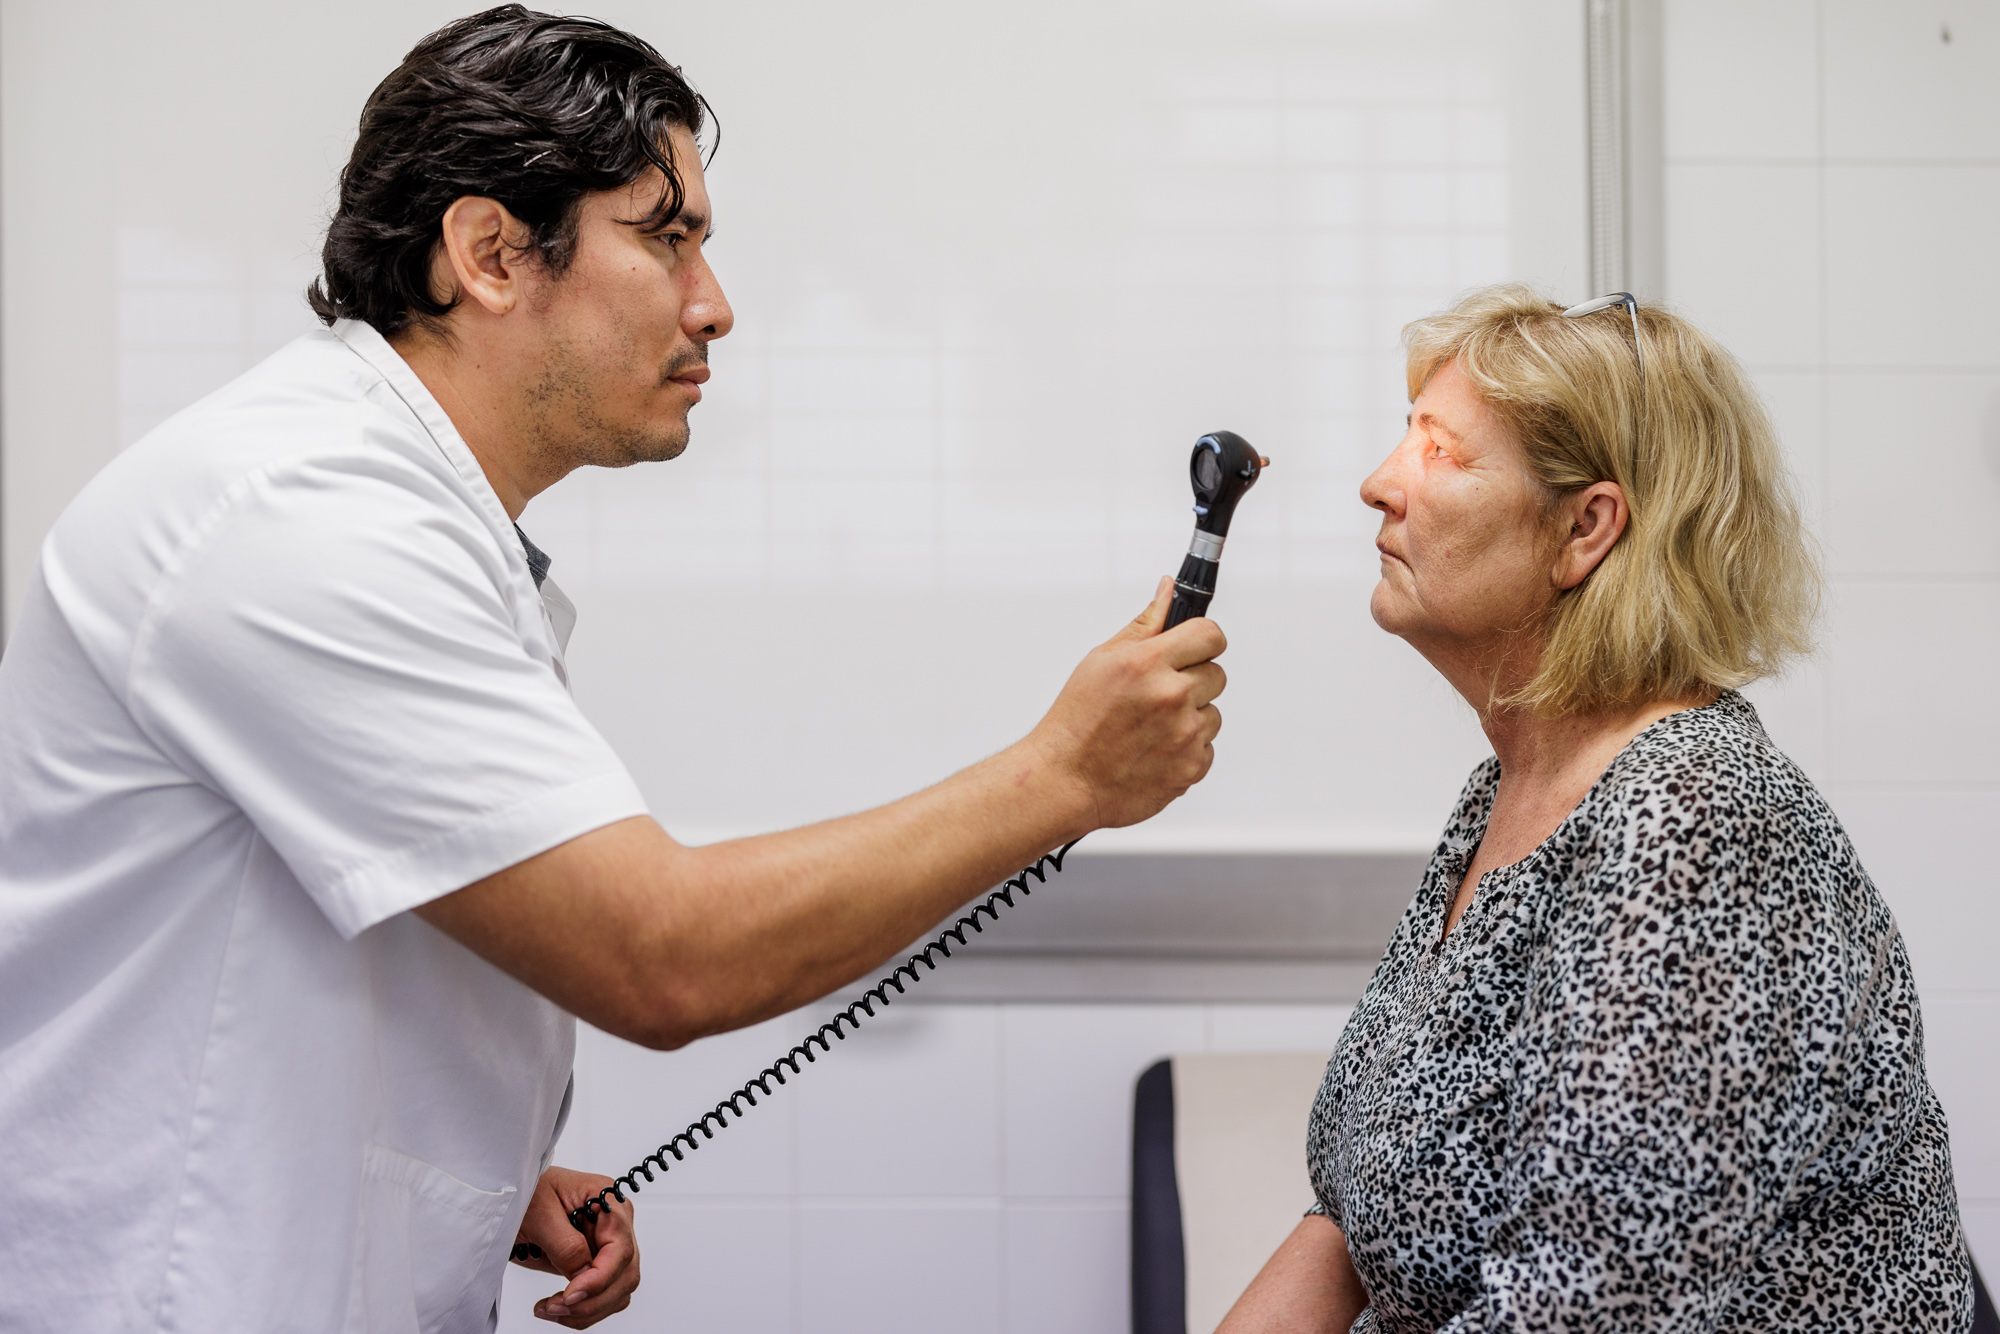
x=1381, y=489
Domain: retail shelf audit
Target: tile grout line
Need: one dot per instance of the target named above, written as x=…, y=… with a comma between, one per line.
x=1001, y=1014
x=1825, y=385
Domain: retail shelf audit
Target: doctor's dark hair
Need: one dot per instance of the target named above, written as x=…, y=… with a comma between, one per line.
x=533, y=110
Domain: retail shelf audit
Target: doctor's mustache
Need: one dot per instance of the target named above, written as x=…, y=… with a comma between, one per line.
x=682, y=363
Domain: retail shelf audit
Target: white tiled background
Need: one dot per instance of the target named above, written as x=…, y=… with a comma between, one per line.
x=994, y=271
x=961, y=1167
x=1833, y=177
x=995, y=267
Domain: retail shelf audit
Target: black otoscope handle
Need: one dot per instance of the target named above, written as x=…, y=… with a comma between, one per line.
x=1221, y=469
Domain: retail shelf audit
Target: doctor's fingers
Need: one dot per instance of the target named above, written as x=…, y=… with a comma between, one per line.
x=1207, y=681
x=605, y=1286
x=546, y=1227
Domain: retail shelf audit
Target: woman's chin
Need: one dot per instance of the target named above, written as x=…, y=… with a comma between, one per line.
x=1387, y=608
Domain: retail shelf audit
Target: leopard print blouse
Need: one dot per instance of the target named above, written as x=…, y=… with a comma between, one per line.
x=1666, y=1073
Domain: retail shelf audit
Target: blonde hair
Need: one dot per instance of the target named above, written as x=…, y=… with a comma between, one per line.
x=1715, y=581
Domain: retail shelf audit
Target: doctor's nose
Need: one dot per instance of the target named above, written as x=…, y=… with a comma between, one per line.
x=707, y=315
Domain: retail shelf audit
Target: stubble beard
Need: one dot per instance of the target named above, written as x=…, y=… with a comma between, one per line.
x=570, y=430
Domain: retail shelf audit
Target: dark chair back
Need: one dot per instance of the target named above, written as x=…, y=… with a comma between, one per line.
x=1159, y=1264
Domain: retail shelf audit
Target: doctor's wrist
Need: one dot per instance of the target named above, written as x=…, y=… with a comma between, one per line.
x=1044, y=776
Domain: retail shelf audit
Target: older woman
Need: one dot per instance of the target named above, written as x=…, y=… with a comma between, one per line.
x=1644, y=1052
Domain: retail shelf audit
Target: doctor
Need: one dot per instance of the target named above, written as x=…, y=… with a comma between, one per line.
x=307, y=859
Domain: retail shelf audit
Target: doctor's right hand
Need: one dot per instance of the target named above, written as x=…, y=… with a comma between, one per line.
x=1135, y=726
x=602, y=1265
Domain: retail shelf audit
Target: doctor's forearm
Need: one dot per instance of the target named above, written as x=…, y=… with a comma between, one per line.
x=662, y=944
x=840, y=898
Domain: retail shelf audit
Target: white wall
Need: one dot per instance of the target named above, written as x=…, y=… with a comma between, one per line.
x=955, y=1167
x=1832, y=182
x=994, y=271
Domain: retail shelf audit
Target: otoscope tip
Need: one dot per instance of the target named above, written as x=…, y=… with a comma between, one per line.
x=1263, y=462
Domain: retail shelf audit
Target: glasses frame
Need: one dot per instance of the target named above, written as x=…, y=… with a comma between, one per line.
x=1625, y=299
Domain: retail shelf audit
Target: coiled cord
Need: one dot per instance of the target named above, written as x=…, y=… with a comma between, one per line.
x=733, y=1105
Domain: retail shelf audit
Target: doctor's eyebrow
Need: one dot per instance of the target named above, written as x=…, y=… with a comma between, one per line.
x=692, y=221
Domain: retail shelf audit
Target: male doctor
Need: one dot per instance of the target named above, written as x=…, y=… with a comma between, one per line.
x=307, y=859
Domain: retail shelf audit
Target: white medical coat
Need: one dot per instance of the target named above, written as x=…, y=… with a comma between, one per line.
x=281, y=675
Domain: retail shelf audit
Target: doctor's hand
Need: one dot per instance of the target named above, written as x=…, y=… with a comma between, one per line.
x=1136, y=723
x=602, y=1266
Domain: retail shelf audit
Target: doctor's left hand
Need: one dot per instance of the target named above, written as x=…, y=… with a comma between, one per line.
x=602, y=1266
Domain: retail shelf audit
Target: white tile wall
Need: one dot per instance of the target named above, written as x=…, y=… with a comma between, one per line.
x=1741, y=78
x=1829, y=221
x=1796, y=401
x=1906, y=255
x=1067, y=1098
x=909, y=1106
x=1911, y=81
x=958, y=1166
x=1062, y=1262
x=1743, y=256
x=1925, y=851
x=1929, y=438
x=865, y=1266
x=1908, y=671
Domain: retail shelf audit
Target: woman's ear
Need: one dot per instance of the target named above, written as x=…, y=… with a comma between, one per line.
x=1596, y=516
x=481, y=259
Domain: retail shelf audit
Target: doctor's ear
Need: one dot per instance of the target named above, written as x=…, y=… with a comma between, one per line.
x=483, y=257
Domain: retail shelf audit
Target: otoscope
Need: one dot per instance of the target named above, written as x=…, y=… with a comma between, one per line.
x=1222, y=469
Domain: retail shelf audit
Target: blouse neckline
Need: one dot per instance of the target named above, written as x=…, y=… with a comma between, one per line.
x=1457, y=860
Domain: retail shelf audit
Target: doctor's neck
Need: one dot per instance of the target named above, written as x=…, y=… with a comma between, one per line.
x=480, y=412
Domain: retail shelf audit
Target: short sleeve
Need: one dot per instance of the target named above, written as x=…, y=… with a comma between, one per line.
x=338, y=653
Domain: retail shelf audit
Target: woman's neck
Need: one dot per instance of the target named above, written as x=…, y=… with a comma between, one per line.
x=1537, y=750
x=1544, y=752
x=1547, y=766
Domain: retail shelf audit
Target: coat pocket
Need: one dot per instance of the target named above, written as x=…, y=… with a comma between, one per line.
x=429, y=1249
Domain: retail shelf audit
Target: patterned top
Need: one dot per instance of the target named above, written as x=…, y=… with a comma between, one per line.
x=1665, y=1074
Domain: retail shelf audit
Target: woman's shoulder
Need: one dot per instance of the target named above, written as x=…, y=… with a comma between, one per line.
x=1714, y=763
x=1704, y=800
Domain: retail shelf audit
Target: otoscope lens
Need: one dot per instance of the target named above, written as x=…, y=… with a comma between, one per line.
x=1207, y=472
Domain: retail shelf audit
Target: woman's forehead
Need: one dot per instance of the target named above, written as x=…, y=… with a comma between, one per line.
x=1450, y=398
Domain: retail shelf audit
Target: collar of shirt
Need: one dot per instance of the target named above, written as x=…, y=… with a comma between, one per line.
x=374, y=349
x=558, y=612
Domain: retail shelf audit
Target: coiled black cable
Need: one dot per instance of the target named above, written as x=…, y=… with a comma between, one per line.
x=733, y=1105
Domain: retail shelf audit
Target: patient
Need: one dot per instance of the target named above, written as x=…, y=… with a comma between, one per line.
x=1644, y=1052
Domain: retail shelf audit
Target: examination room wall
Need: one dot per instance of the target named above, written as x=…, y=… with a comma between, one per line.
x=1833, y=176
x=942, y=454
